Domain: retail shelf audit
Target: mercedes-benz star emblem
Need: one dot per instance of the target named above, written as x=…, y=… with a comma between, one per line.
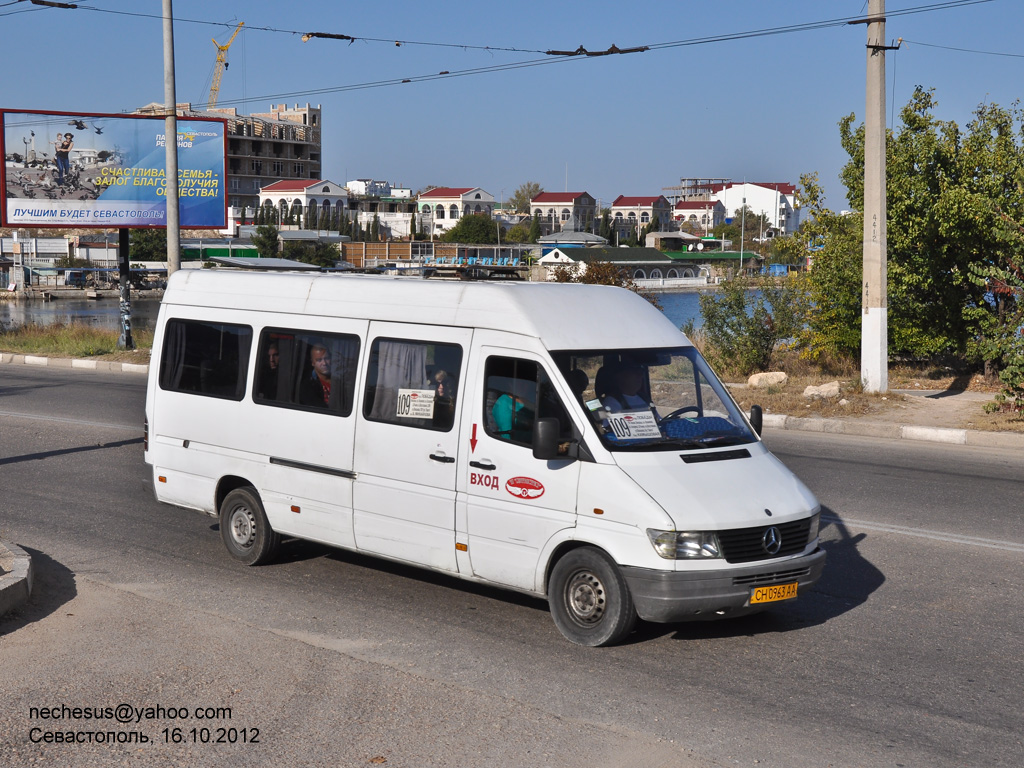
x=772, y=541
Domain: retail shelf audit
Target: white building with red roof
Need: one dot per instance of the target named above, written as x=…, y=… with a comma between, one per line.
x=302, y=196
x=632, y=214
x=557, y=209
x=441, y=208
x=777, y=200
x=700, y=215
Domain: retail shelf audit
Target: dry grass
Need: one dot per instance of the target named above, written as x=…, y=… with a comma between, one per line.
x=75, y=340
x=895, y=407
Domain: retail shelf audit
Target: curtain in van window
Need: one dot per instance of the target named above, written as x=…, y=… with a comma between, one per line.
x=173, y=365
x=399, y=366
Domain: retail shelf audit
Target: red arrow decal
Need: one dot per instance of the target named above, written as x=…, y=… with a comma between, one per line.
x=472, y=440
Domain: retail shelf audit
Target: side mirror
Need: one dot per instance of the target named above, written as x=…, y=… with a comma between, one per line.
x=546, y=440
x=756, y=418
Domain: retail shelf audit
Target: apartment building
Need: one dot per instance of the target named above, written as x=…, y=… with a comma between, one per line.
x=564, y=210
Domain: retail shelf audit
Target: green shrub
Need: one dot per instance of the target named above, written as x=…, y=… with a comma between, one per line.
x=747, y=318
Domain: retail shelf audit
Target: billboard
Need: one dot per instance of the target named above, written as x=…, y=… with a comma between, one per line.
x=108, y=171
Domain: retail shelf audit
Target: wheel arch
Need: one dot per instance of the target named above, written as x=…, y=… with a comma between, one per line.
x=560, y=551
x=226, y=485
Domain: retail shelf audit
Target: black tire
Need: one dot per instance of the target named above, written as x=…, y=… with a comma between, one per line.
x=244, y=528
x=590, y=601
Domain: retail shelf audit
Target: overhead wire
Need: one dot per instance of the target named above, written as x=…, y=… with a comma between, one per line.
x=551, y=56
x=965, y=50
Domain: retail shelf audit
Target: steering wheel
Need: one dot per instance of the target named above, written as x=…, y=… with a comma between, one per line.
x=679, y=412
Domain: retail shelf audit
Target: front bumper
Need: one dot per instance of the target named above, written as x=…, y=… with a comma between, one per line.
x=670, y=596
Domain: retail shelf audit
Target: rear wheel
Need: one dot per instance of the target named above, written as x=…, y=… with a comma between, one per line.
x=589, y=598
x=244, y=528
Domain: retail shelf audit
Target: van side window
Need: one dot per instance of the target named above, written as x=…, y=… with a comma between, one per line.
x=516, y=393
x=300, y=369
x=413, y=383
x=205, y=358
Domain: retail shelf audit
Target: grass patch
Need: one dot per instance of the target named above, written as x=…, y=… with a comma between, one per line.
x=75, y=340
x=790, y=400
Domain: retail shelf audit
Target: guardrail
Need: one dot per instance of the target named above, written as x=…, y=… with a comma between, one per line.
x=672, y=282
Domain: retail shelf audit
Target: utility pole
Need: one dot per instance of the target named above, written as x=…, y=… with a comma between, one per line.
x=171, y=145
x=743, y=225
x=874, y=344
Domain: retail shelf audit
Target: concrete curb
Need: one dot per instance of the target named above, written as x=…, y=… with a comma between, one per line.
x=15, y=577
x=973, y=437
x=66, y=362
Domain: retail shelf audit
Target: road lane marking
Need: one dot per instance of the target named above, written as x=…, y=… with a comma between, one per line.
x=922, y=533
x=137, y=428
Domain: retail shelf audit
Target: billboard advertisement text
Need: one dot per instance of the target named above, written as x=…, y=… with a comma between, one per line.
x=92, y=170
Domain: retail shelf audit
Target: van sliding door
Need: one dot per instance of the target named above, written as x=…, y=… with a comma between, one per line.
x=407, y=443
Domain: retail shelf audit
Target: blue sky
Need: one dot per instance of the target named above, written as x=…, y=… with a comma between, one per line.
x=761, y=108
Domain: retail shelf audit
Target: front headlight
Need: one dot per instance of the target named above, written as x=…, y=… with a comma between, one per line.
x=812, y=534
x=684, y=545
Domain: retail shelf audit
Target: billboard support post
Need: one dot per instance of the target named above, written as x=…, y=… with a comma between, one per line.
x=124, y=341
x=171, y=144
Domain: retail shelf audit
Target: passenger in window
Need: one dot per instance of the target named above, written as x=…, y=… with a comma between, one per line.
x=513, y=414
x=444, y=385
x=316, y=390
x=268, y=373
x=578, y=382
x=444, y=398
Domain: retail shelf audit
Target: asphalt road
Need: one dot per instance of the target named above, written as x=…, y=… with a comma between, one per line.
x=907, y=653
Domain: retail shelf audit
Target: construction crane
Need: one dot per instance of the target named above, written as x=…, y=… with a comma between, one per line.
x=220, y=65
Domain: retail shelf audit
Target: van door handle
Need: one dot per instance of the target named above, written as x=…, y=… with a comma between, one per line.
x=481, y=465
x=443, y=459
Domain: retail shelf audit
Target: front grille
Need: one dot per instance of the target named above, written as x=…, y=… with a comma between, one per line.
x=744, y=545
x=774, y=577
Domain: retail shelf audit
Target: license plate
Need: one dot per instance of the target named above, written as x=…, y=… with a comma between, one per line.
x=773, y=593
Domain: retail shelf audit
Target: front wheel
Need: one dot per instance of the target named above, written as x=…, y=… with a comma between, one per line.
x=244, y=528
x=589, y=599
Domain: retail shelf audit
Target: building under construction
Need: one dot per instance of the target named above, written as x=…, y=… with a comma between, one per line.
x=694, y=189
x=262, y=147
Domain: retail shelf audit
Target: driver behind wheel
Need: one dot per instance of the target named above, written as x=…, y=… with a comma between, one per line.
x=626, y=394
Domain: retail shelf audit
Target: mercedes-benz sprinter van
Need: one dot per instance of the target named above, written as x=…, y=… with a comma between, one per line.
x=566, y=441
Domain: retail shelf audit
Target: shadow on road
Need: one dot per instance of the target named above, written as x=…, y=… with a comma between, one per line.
x=52, y=587
x=64, y=451
x=847, y=582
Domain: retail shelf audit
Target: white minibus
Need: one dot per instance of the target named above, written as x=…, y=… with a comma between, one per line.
x=566, y=441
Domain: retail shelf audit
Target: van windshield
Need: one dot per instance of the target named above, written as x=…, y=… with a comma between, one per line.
x=653, y=399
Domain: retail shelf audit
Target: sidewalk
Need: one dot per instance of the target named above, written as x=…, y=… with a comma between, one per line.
x=933, y=415
x=65, y=362
x=15, y=577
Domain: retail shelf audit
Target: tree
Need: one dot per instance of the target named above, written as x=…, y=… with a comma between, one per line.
x=746, y=319
x=834, y=243
x=320, y=253
x=602, y=273
x=516, y=234
x=375, y=229
x=948, y=192
x=324, y=219
x=266, y=241
x=1001, y=317
x=605, y=229
x=413, y=234
x=148, y=244
x=534, y=233
x=477, y=228
x=524, y=194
